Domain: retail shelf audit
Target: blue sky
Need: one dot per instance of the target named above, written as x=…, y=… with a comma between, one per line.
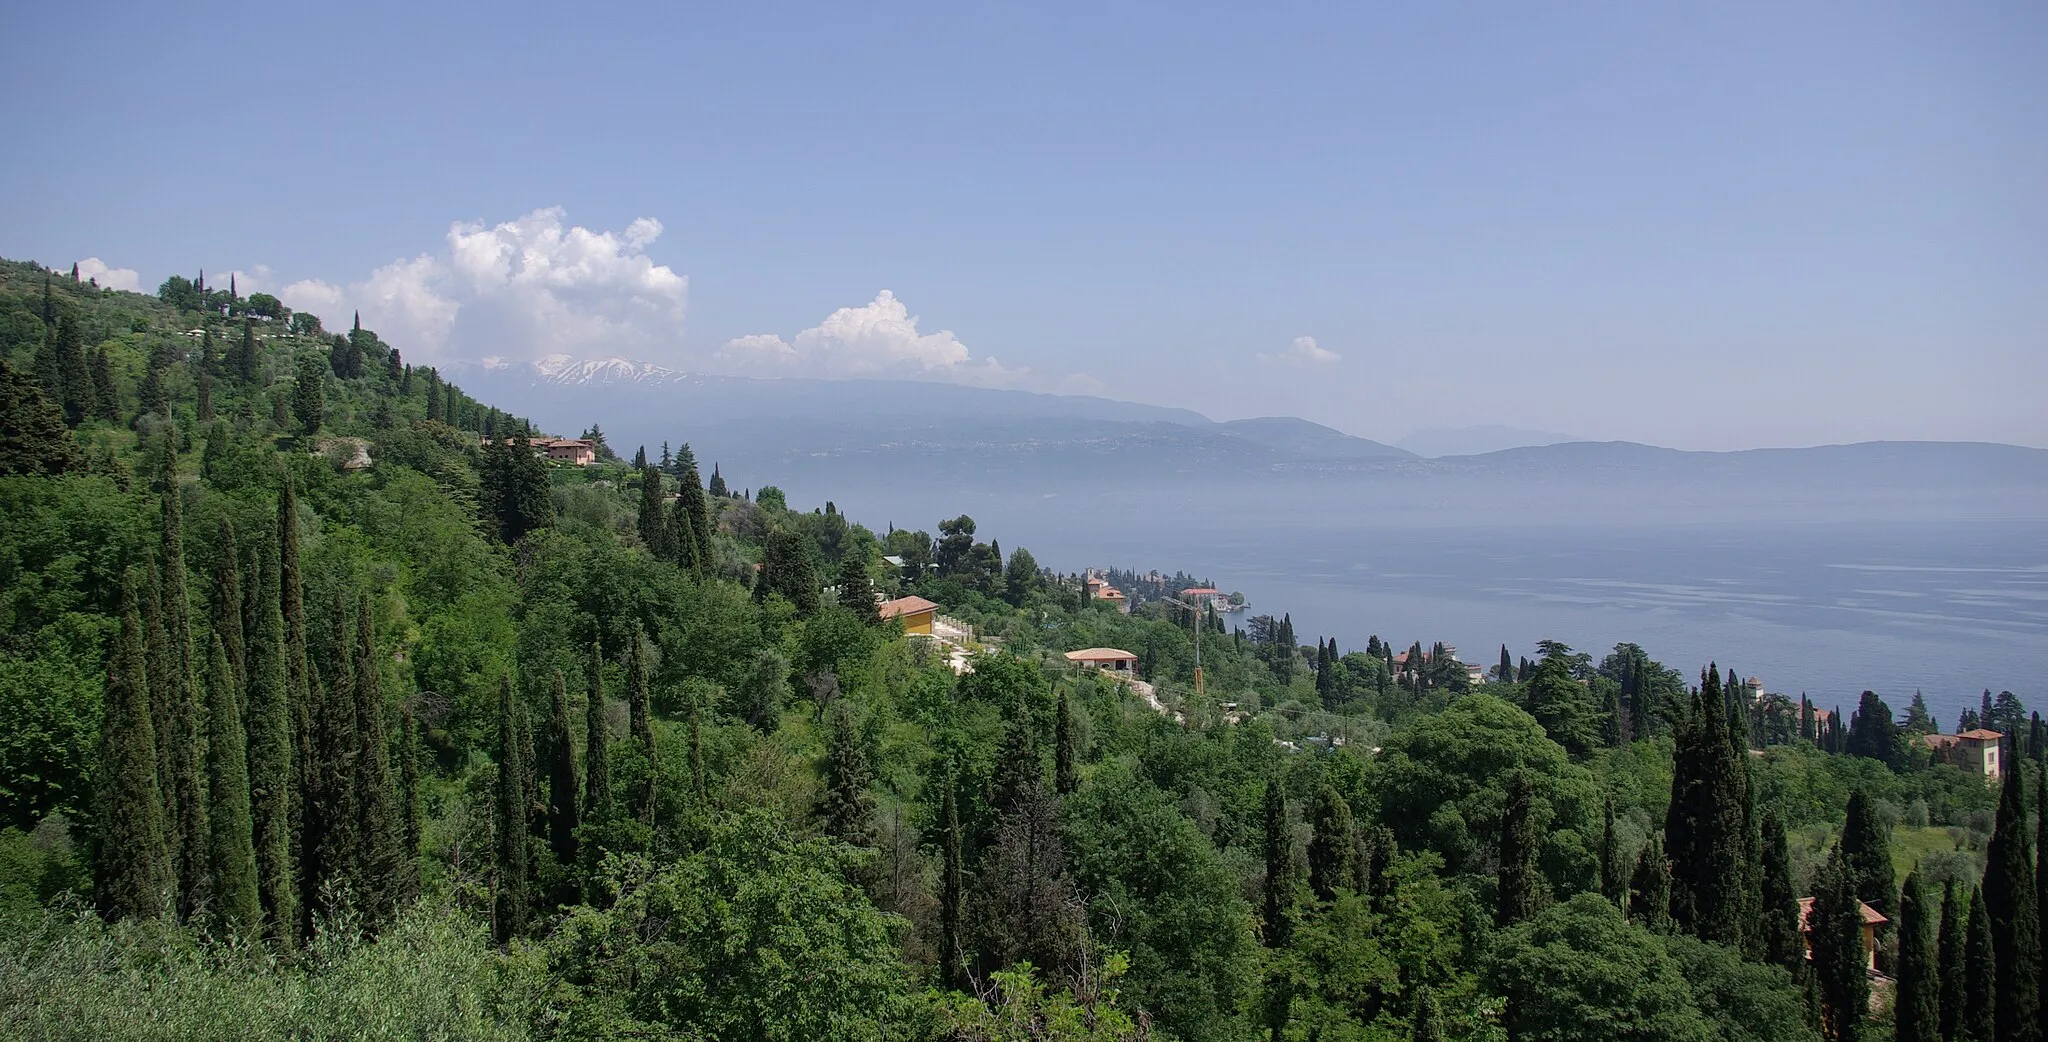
x=1710, y=226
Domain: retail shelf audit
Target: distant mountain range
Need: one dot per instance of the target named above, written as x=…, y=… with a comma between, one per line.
x=1472, y=441
x=906, y=436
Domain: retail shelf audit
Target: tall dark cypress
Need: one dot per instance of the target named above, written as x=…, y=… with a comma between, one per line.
x=1614, y=867
x=1917, y=1008
x=1949, y=958
x=1979, y=1017
x=131, y=865
x=409, y=802
x=562, y=795
x=106, y=400
x=1332, y=849
x=162, y=678
x=2040, y=855
x=1518, y=894
x=848, y=807
x=1279, y=884
x=1782, y=945
x=695, y=708
x=1840, y=966
x=640, y=722
x=597, y=770
x=236, y=908
x=1705, y=834
x=188, y=724
x=380, y=854
x=1065, y=752
x=695, y=507
x=271, y=775
x=2010, y=894
x=298, y=674
x=228, y=605
x=508, y=918
x=1867, y=848
x=952, y=894
x=1649, y=890
x=653, y=525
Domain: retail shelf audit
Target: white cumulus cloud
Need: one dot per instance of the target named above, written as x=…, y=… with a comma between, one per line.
x=877, y=339
x=1304, y=351
x=111, y=278
x=520, y=289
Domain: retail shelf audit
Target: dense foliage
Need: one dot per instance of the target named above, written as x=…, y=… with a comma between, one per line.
x=332, y=709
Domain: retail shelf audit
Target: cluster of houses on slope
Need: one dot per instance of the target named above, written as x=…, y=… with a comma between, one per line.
x=580, y=452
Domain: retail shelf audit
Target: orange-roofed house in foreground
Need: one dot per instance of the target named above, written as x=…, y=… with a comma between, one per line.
x=1109, y=660
x=916, y=612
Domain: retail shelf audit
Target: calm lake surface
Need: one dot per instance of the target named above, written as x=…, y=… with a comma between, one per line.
x=1946, y=607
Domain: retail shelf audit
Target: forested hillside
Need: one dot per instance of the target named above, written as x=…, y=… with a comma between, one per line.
x=329, y=708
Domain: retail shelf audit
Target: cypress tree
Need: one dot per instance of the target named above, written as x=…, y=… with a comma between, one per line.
x=696, y=508
x=131, y=867
x=1066, y=777
x=271, y=775
x=1614, y=868
x=717, y=489
x=1979, y=1016
x=236, y=908
x=106, y=400
x=1332, y=864
x=162, y=672
x=952, y=953
x=75, y=372
x=2009, y=892
x=1839, y=962
x=848, y=806
x=597, y=770
x=653, y=526
x=1279, y=884
x=1949, y=957
x=640, y=724
x=1704, y=833
x=1917, y=1012
x=1780, y=907
x=376, y=805
x=1867, y=849
x=299, y=703
x=409, y=802
x=509, y=907
x=1019, y=771
x=562, y=817
x=188, y=735
x=227, y=607
x=1650, y=890
x=856, y=591
x=205, y=391
x=246, y=357
x=2041, y=858
x=1518, y=895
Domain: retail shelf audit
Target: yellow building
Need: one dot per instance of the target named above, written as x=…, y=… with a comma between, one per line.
x=916, y=612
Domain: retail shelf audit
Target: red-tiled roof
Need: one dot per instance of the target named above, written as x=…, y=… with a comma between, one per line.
x=1982, y=734
x=905, y=606
x=1871, y=916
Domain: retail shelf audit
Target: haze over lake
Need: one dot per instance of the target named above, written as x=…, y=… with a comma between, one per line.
x=1946, y=606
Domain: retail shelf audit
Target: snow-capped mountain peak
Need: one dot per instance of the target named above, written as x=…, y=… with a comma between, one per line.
x=564, y=370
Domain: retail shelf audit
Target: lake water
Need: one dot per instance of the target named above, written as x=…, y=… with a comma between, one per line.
x=1945, y=607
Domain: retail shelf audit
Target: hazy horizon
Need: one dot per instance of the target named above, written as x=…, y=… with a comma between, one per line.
x=1708, y=229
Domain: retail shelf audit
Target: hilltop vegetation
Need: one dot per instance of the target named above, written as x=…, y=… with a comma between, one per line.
x=331, y=709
